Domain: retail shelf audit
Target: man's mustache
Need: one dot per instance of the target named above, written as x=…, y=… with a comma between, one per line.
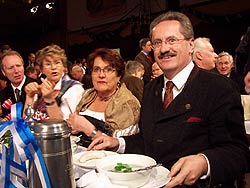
x=166, y=54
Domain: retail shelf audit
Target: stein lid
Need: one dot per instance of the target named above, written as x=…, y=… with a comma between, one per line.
x=50, y=127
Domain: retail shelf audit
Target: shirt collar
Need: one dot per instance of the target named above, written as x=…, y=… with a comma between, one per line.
x=144, y=53
x=20, y=85
x=181, y=78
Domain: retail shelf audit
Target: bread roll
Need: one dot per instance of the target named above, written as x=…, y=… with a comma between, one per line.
x=90, y=155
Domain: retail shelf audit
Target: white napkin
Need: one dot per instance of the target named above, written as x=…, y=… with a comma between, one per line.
x=94, y=180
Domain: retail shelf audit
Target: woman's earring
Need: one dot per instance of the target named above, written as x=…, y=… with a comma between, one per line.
x=119, y=83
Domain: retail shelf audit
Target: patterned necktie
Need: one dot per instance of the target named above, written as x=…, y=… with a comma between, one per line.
x=17, y=93
x=168, y=96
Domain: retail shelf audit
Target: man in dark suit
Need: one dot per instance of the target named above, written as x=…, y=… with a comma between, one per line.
x=145, y=58
x=200, y=135
x=225, y=67
x=12, y=67
x=78, y=73
x=204, y=55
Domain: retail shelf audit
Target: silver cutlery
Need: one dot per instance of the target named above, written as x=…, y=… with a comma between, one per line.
x=147, y=167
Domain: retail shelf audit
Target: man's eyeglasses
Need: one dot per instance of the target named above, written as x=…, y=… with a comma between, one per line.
x=170, y=41
x=106, y=70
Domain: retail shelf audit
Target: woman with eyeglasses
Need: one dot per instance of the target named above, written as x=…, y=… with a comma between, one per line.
x=58, y=95
x=108, y=101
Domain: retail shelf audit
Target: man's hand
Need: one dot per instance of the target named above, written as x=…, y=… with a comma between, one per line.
x=187, y=170
x=104, y=142
x=247, y=82
x=31, y=89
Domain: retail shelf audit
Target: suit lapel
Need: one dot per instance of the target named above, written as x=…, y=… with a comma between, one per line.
x=157, y=96
x=10, y=93
x=23, y=94
x=192, y=75
x=181, y=104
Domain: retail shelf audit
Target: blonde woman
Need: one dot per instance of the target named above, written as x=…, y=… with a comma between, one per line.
x=58, y=95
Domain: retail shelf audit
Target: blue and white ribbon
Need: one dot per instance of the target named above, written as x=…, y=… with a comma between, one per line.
x=23, y=147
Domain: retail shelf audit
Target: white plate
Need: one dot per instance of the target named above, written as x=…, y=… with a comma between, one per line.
x=90, y=164
x=158, y=178
x=80, y=149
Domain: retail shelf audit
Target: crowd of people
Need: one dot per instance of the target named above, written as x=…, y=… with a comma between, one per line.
x=177, y=101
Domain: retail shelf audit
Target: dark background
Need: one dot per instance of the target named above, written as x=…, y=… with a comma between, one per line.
x=223, y=21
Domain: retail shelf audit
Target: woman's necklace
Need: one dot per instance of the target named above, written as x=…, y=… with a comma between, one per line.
x=105, y=99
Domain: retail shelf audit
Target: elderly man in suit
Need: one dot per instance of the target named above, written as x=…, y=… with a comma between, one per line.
x=204, y=55
x=199, y=135
x=225, y=67
x=12, y=67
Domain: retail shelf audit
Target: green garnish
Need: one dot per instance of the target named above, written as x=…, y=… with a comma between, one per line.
x=120, y=167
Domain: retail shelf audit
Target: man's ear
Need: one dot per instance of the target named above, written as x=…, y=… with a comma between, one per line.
x=199, y=55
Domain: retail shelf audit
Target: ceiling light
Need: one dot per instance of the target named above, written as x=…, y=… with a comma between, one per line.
x=33, y=10
x=49, y=5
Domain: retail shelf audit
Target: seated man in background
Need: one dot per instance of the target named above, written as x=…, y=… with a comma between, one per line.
x=204, y=55
x=12, y=67
x=78, y=73
x=156, y=70
x=133, y=78
x=31, y=72
x=225, y=67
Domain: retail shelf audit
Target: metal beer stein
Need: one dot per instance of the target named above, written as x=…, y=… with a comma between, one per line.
x=53, y=138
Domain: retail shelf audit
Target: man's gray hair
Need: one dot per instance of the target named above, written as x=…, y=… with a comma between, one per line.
x=186, y=28
x=230, y=57
x=133, y=66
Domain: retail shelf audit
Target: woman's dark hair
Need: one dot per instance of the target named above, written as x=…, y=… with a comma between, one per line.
x=110, y=56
